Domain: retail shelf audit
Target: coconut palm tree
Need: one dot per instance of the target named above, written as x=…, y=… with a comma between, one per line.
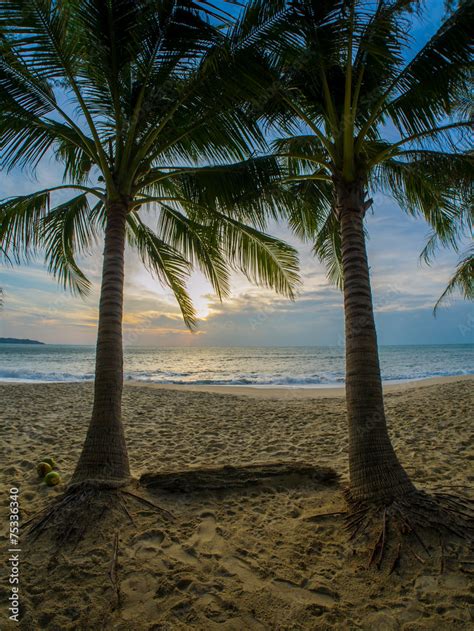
x=374, y=115
x=148, y=107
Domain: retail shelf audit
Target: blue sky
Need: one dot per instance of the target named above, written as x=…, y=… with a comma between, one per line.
x=405, y=291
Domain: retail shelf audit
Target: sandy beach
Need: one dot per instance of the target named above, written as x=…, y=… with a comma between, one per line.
x=296, y=392
x=256, y=558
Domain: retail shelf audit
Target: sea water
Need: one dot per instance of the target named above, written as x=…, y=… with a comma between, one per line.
x=267, y=366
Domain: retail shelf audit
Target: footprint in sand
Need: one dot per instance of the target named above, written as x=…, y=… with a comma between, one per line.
x=206, y=540
x=286, y=590
x=251, y=582
x=290, y=591
x=148, y=543
x=182, y=554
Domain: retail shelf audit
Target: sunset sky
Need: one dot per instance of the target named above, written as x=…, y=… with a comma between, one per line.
x=405, y=290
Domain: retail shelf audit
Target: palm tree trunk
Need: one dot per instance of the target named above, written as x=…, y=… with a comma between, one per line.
x=104, y=455
x=375, y=472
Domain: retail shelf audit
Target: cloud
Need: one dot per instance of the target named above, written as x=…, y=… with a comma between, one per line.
x=404, y=293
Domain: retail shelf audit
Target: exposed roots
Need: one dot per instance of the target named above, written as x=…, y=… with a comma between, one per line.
x=113, y=572
x=83, y=507
x=409, y=522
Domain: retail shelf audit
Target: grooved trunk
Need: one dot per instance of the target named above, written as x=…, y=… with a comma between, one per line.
x=104, y=455
x=375, y=472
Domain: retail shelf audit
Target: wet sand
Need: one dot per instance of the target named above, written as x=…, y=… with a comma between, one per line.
x=295, y=392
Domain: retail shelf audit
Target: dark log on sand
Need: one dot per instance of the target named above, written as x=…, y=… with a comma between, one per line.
x=225, y=477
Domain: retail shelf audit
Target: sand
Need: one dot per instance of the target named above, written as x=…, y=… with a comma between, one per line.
x=249, y=559
x=296, y=392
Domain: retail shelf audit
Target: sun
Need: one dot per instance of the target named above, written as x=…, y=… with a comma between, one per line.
x=201, y=306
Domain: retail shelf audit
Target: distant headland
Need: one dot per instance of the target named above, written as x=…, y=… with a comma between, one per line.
x=15, y=340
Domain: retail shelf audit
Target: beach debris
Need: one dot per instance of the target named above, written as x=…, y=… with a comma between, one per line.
x=216, y=477
x=52, y=478
x=166, y=513
x=379, y=547
x=113, y=570
x=396, y=560
x=441, y=555
x=417, y=556
x=43, y=468
x=318, y=516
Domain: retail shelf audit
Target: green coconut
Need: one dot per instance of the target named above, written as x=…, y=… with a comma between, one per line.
x=52, y=478
x=51, y=462
x=43, y=468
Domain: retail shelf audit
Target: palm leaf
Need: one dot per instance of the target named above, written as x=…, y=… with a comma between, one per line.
x=165, y=262
x=327, y=247
x=198, y=243
x=68, y=230
x=263, y=259
x=20, y=222
x=428, y=86
x=462, y=280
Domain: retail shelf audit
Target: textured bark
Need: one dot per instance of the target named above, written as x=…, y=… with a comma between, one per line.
x=218, y=477
x=104, y=455
x=375, y=472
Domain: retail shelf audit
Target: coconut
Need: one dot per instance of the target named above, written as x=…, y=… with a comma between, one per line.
x=51, y=462
x=52, y=478
x=43, y=468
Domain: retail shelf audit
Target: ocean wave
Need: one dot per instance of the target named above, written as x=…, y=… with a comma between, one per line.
x=189, y=378
x=14, y=374
x=144, y=374
x=428, y=375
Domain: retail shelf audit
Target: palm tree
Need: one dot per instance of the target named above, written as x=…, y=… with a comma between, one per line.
x=149, y=108
x=373, y=116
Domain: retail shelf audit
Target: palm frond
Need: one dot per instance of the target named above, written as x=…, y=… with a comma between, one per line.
x=263, y=259
x=69, y=230
x=164, y=262
x=436, y=186
x=428, y=86
x=327, y=247
x=121, y=91
x=198, y=243
x=20, y=222
x=462, y=280
x=346, y=71
x=245, y=189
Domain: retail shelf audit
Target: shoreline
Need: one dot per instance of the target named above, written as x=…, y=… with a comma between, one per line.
x=268, y=391
x=298, y=392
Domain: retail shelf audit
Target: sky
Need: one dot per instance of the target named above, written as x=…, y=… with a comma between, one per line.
x=405, y=290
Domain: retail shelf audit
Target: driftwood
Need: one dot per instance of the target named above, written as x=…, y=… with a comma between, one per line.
x=212, y=478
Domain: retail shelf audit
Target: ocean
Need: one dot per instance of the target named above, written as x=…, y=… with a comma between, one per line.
x=275, y=366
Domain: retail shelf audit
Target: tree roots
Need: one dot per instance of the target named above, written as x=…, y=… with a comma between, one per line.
x=82, y=507
x=85, y=504
x=409, y=522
